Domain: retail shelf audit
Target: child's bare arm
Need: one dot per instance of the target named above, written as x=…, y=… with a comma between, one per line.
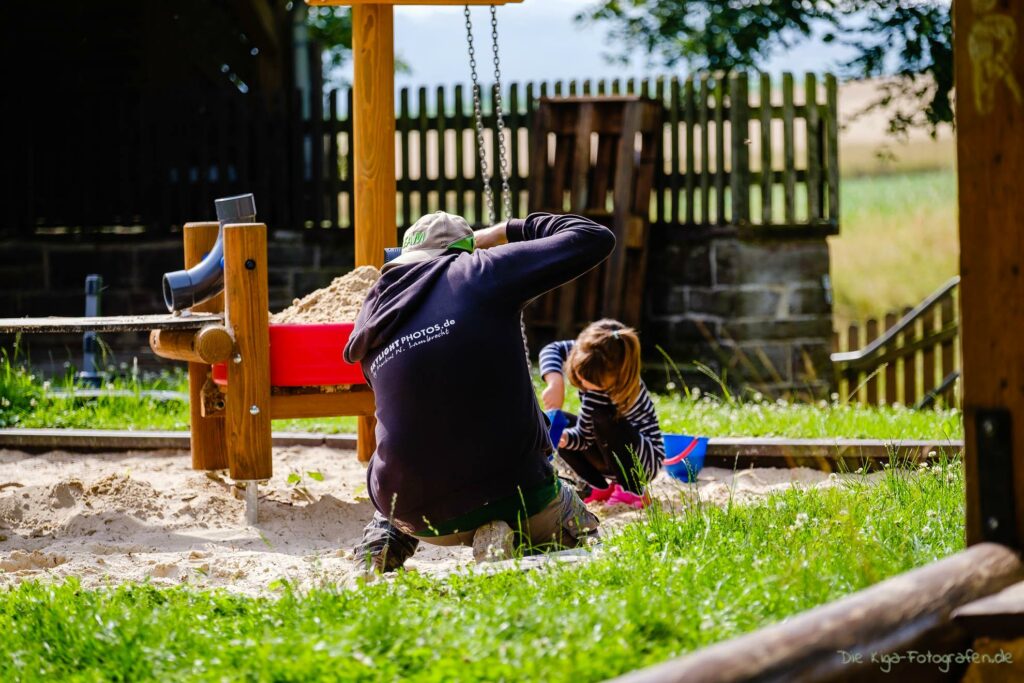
x=553, y=396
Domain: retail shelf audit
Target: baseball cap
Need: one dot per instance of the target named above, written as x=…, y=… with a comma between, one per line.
x=431, y=236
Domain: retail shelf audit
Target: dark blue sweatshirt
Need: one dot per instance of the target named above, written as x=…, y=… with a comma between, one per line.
x=458, y=424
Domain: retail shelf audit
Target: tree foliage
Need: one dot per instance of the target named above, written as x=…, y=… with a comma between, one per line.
x=910, y=40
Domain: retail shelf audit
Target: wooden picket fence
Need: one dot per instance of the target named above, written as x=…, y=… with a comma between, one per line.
x=910, y=358
x=737, y=151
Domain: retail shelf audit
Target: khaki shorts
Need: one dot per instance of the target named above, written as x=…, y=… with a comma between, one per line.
x=565, y=523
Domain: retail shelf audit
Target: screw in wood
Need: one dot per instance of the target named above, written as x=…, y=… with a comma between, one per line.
x=250, y=264
x=254, y=410
x=237, y=358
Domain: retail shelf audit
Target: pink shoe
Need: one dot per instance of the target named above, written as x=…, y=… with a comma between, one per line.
x=600, y=495
x=626, y=498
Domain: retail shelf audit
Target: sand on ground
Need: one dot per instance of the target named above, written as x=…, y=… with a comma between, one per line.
x=146, y=516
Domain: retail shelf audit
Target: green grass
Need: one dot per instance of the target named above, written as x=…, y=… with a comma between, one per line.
x=29, y=405
x=898, y=242
x=663, y=586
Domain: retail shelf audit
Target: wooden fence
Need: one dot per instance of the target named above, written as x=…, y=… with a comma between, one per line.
x=911, y=358
x=730, y=157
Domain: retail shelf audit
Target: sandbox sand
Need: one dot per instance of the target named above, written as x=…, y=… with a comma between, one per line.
x=339, y=301
x=111, y=518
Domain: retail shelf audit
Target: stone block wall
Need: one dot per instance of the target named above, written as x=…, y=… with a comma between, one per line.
x=43, y=277
x=757, y=312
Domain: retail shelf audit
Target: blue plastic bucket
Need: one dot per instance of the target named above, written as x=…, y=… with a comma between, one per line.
x=558, y=422
x=684, y=455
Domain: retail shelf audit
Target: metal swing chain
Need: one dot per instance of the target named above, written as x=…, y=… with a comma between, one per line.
x=506, y=192
x=485, y=176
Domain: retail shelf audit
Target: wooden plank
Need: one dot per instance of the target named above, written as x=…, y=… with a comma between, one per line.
x=765, y=111
x=114, y=440
x=832, y=124
x=333, y=173
x=930, y=323
x=247, y=409
x=513, y=119
x=705, y=153
x=909, y=365
x=691, y=166
x=124, y=323
x=856, y=392
x=537, y=179
x=580, y=173
x=422, y=183
x=903, y=613
x=788, y=149
x=622, y=190
x=442, y=153
x=871, y=385
x=319, y=189
x=813, y=149
x=315, y=404
x=349, y=177
x=719, y=149
x=373, y=154
x=208, y=436
x=460, y=151
x=990, y=135
x=890, y=368
x=659, y=167
x=947, y=348
x=673, y=121
x=739, y=127
x=403, y=124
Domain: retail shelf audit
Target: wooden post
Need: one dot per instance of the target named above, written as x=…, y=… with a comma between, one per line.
x=247, y=412
x=374, y=131
x=989, y=67
x=209, y=450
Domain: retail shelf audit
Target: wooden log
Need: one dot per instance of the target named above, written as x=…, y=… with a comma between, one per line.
x=247, y=412
x=990, y=135
x=374, y=131
x=997, y=616
x=208, y=436
x=211, y=344
x=909, y=611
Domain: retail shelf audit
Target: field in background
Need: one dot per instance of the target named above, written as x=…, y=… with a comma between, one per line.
x=898, y=235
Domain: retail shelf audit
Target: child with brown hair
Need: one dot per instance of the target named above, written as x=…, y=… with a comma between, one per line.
x=616, y=435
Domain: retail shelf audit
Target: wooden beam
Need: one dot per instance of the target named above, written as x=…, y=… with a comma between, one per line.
x=109, y=323
x=996, y=616
x=989, y=67
x=208, y=436
x=315, y=404
x=373, y=124
x=909, y=611
x=247, y=411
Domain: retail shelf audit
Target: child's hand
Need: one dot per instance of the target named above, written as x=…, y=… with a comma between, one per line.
x=553, y=397
x=564, y=441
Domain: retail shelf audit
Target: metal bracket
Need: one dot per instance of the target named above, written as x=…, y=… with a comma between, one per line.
x=994, y=436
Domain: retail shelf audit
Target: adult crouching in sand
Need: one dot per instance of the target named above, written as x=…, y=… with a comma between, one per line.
x=462, y=445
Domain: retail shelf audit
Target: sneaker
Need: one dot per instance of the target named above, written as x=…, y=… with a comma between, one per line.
x=383, y=548
x=599, y=495
x=493, y=541
x=623, y=497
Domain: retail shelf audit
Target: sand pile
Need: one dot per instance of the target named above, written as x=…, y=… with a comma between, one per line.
x=146, y=516
x=338, y=302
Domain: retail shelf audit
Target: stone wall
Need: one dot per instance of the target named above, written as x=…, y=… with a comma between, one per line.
x=46, y=276
x=757, y=312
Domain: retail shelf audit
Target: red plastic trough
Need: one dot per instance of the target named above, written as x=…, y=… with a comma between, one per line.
x=305, y=356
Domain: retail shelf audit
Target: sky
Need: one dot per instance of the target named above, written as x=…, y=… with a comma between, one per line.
x=539, y=40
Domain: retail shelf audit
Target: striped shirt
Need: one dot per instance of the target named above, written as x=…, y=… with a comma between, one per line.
x=640, y=414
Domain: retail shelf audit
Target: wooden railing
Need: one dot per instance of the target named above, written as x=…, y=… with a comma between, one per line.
x=911, y=359
x=730, y=158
